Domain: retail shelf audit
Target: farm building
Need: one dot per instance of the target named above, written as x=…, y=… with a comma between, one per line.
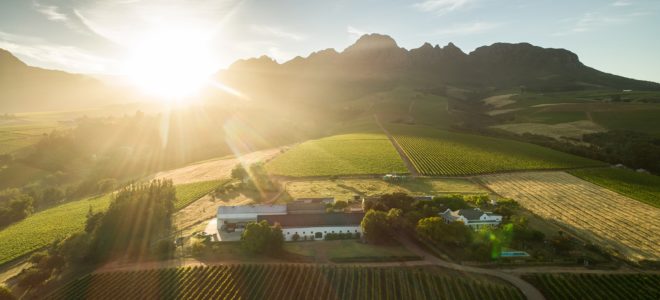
x=307, y=206
x=234, y=218
x=315, y=226
x=473, y=217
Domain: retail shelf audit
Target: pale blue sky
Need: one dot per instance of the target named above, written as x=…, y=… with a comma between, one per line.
x=617, y=36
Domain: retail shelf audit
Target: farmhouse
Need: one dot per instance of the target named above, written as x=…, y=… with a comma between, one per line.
x=315, y=226
x=473, y=217
x=234, y=218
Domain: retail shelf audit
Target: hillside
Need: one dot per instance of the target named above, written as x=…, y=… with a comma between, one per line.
x=24, y=88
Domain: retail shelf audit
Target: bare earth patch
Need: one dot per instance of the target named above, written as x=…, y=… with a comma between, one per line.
x=204, y=209
x=588, y=210
x=499, y=100
x=214, y=169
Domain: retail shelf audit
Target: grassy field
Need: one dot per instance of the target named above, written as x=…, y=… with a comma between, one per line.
x=345, y=249
x=42, y=228
x=285, y=282
x=640, y=186
x=438, y=152
x=613, y=221
x=189, y=192
x=345, y=189
x=597, y=286
x=348, y=154
x=572, y=130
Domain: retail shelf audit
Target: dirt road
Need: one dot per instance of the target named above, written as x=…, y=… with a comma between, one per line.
x=406, y=161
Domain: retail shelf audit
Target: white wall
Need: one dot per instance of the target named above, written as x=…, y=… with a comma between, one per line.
x=311, y=231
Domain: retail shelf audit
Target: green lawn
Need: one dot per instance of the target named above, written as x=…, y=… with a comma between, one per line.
x=42, y=228
x=439, y=152
x=348, y=154
x=354, y=248
x=640, y=186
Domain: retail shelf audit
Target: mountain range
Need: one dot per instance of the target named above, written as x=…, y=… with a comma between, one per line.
x=374, y=62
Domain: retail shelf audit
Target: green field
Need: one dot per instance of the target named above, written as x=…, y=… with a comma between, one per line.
x=189, y=192
x=597, y=286
x=42, y=228
x=346, y=249
x=438, y=152
x=284, y=282
x=348, y=154
x=640, y=186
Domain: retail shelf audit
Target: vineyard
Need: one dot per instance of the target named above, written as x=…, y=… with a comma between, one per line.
x=189, y=192
x=593, y=212
x=597, y=286
x=640, y=186
x=438, y=152
x=283, y=282
x=348, y=154
x=42, y=228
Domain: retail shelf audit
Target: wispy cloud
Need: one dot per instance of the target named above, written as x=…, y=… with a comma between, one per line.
x=442, y=6
x=51, y=12
x=622, y=3
x=591, y=21
x=272, y=31
x=53, y=55
x=466, y=29
x=354, y=33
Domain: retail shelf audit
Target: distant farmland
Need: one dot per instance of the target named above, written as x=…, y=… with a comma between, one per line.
x=348, y=154
x=284, y=282
x=439, y=152
x=640, y=186
x=595, y=213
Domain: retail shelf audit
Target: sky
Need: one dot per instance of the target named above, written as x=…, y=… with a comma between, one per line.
x=101, y=36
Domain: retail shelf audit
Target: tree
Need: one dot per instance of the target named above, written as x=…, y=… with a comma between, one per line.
x=258, y=238
x=452, y=202
x=436, y=230
x=376, y=227
x=239, y=172
x=388, y=201
x=137, y=218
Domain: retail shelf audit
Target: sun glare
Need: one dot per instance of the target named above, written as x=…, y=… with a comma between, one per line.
x=171, y=65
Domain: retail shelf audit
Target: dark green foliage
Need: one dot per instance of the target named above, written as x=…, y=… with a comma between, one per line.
x=14, y=206
x=341, y=236
x=388, y=201
x=436, y=230
x=138, y=216
x=261, y=238
x=239, y=172
x=453, y=202
x=377, y=227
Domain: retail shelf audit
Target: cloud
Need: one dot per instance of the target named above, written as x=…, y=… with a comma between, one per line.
x=442, y=6
x=466, y=29
x=591, y=21
x=622, y=3
x=51, y=12
x=276, y=32
x=354, y=33
x=53, y=55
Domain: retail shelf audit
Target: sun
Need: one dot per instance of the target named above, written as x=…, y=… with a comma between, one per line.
x=171, y=64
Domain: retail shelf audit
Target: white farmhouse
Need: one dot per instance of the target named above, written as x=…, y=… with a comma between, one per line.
x=473, y=217
x=315, y=226
x=234, y=218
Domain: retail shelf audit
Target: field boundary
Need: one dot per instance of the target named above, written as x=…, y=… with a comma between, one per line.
x=404, y=157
